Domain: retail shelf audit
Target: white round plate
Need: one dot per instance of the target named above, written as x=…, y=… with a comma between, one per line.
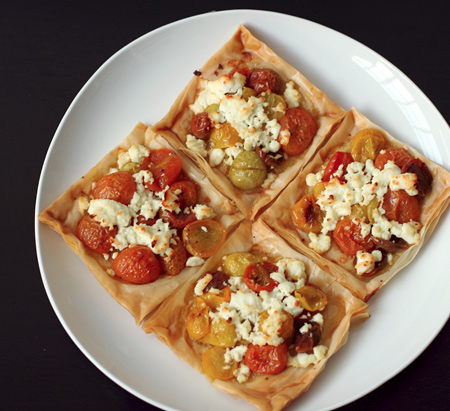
x=139, y=83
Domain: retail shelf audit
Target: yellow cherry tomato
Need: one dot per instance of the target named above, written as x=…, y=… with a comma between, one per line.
x=366, y=144
x=311, y=298
x=214, y=365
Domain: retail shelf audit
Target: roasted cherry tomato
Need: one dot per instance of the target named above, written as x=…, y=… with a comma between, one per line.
x=165, y=167
x=236, y=263
x=349, y=239
x=398, y=155
x=94, y=236
x=270, y=160
x=197, y=320
x=247, y=171
x=366, y=144
x=391, y=246
x=179, y=220
x=221, y=334
x=339, y=158
x=266, y=359
x=137, y=265
x=185, y=192
x=119, y=186
x=302, y=128
x=201, y=125
x=203, y=238
x=400, y=206
x=276, y=105
x=304, y=343
x=284, y=327
x=307, y=215
x=214, y=365
x=174, y=263
x=214, y=300
x=219, y=281
x=257, y=277
x=311, y=298
x=264, y=80
x=424, y=177
x=224, y=136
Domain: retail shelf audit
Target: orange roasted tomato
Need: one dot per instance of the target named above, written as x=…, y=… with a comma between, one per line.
x=349, y=239
x=94, y=236
x=119, y=186
x=266, y=359
x=203, y=238
x=398, y=155
x=339, y=158
x=400, y=206
x=165, y=167
x=302, y=128
x=307, y=215
x=197, y=321
x=185, y=191
x=257, y=276
x=137, y=265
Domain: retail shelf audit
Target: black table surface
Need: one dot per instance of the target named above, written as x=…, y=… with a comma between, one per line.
x=48, y=51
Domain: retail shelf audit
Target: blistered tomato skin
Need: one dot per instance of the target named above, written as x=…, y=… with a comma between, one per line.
x=347, y=236
x=398, y=155
x=257, y=277
x=424, y=176
x=94, y=236
x=175, y=262
x=366, y=144
x=178, y=221
x=401, y=207
x=307, y=215
x=262, y=80
x=302, y=128
x=201, y=125
x=185, y=190
x=165, y=167
x=119, y=186
x=137, y=265
x=266, y=359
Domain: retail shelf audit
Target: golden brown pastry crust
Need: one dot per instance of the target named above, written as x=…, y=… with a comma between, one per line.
x=271, y=392
x=63, y=216
x=176, y=124
x=278, y=216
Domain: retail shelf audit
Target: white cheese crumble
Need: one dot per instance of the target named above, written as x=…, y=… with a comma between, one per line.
x=365, y=261
x=319, y=243
x=303, y=360
x=197, y=145
x=291, y=95
x=203, y=212
x=194, y=261
x=135, y=154
x=202, y=283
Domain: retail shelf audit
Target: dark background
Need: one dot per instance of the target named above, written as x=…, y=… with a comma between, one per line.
x=48, y=51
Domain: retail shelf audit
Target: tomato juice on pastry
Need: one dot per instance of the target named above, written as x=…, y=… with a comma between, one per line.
x=250, y=121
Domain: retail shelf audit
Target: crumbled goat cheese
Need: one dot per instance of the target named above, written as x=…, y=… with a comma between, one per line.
x=201, y=284
x=194, y=261
x=319, y=243
x=197, y=145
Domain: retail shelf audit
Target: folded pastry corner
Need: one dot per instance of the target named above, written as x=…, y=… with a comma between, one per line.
x=124, y=219
x=260, y=320
x=363, y=207
x=250, y=121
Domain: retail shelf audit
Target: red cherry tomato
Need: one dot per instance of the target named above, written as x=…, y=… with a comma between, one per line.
x=266, y=359
x=94, y=236
x=165, y=167
x=119, y=186
x=302, y=128
x=137, y=265
x=335, y=162
x=257, y=276
x=185, y=190
x=179, y=220
x=176, y=261
x=264, y=80
x=401, y=207
x=398, y=155
x=201, y=125
x=424, y=176
x=348, y=237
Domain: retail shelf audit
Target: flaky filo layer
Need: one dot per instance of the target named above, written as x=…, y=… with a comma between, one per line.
x=175, y=126
x=278, y=216
x=64, y=214
x=266, y=392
